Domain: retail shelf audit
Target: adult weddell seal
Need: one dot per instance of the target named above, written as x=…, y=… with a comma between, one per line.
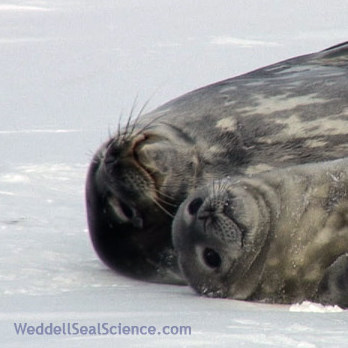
x=253, y=172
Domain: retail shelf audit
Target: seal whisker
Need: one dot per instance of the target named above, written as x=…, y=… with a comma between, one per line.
x=162, y=208
x=140, y=113
x=126, y=134
x=147, y=125
x=164, y=197
x=164, y=194
x=166, y=203
x=119, y=127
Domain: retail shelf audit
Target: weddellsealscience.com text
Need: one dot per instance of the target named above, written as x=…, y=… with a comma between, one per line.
x=103, y=329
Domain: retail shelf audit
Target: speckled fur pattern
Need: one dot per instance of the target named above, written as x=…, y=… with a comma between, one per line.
x=284, y=115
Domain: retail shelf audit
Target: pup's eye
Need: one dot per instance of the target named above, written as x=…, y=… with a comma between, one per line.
x=211, y=258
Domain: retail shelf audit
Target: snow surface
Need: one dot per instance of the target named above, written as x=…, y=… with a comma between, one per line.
x=68, y=71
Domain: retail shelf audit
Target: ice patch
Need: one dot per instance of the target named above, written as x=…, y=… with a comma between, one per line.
x=14, y=178
x=228, y=40
x=307, y=306
x=5, y=193
x=31, y=131
x=21, y=8
x=22, y=40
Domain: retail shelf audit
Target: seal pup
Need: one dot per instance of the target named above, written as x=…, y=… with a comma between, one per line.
x=286, y=114
x=279, y=237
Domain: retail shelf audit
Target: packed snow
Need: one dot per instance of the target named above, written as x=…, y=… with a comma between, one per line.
x=69, y=71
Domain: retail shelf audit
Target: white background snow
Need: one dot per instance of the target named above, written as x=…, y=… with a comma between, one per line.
x=68, y=70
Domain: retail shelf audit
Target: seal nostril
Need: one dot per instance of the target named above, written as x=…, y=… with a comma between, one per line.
x=194, y=206
x=110, y=159
x=211, y=258
x=131, y=215
x=127, y=211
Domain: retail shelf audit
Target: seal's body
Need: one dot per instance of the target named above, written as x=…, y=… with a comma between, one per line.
x=287, y=114
x=280, y=236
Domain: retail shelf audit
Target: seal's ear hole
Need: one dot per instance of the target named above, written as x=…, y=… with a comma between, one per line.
x=194, y=206
x=211, y=258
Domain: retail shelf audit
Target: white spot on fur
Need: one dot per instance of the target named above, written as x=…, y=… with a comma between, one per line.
x=255, y=83
x=315, y=143
x=295, y=128
x=258, y=169
x=286, y=158
x=215, y=149
x=229, y=124
x=268, y=105
x=228, y=89
x=334, y=178
x=344, y=112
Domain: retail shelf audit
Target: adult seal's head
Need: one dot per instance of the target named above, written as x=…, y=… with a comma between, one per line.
x=134, y=184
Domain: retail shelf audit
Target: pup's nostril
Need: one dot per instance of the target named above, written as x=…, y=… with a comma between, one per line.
x=194, y=206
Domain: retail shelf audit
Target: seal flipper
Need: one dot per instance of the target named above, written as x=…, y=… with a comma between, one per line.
x=333, y=288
